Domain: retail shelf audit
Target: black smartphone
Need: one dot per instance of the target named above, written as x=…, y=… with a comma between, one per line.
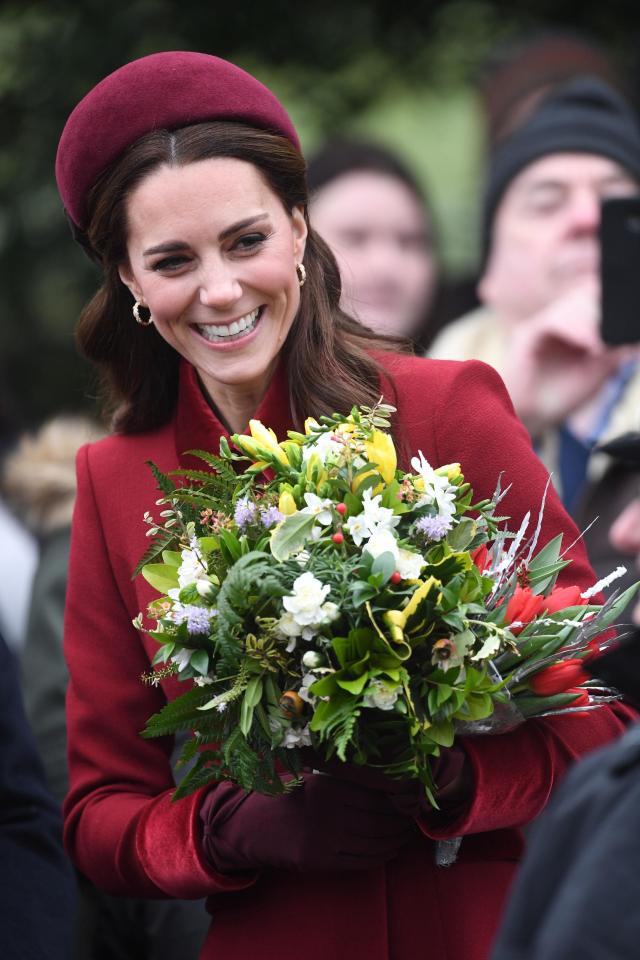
x=620, y=270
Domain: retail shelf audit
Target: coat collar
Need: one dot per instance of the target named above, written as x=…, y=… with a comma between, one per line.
x=197, y=426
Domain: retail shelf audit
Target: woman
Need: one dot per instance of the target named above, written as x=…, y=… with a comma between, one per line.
x=370, y=210
x=194, y=202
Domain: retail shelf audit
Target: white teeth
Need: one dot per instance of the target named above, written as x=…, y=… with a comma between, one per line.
x=215, y=333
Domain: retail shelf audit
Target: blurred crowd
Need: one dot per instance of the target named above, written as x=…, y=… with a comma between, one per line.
x=562, y=136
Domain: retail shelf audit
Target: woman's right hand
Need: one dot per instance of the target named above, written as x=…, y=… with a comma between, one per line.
x=324, y=824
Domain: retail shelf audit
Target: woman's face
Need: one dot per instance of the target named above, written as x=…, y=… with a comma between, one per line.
x=381, y=239
x=212, y=253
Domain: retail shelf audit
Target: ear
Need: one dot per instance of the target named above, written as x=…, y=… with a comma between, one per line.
x=126, y=275
x=300, y=231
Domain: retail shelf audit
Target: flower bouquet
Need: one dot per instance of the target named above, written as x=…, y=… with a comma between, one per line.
x=324, y=598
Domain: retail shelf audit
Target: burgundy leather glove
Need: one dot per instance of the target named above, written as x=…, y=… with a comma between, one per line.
x=451, y=774
x=325, y=824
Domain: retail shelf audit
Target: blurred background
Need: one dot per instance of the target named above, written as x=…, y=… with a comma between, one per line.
x=426, y=78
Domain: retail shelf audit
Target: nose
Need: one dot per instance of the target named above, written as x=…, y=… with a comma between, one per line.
x=220, y=286
x=585, y=211
x=625, y=531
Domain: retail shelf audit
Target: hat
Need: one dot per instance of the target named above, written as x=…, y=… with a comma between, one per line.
x=162, y=91
x=584, y=115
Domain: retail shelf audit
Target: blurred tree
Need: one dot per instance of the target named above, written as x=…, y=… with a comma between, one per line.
x=369, y=64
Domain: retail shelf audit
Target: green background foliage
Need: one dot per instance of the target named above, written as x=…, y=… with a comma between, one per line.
x=402, y=72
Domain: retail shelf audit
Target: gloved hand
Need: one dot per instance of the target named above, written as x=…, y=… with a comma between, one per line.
x=325, y=824
x=451, y=775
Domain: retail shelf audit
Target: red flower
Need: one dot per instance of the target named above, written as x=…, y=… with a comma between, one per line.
x=481, y=557
x=582, y=699
x=562, y=597
x=523, y=606
x=559, y=678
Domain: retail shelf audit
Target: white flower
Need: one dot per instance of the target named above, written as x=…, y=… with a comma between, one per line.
x=307, y=681
x=358, y=528
x=306, y=601
x=311, y=659
x=326, y=447
x=306, y=610
x=380, y=696
x=294, y=737
x=320, y=509
x=202, y=681
x=377, y=517
x=383, y=541
x=192, y=568
x=181, y=657
x=437, y=489
x=409, y=564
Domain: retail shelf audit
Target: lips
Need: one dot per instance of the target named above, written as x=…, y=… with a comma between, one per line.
x=218, y=333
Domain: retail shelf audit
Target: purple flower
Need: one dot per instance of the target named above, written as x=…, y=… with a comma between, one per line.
x=198, y=619
x=270, y=516
x=245, y=512
x=434, y=528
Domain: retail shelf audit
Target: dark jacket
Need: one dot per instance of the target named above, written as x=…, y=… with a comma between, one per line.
x=36, y=879
x=578, y=889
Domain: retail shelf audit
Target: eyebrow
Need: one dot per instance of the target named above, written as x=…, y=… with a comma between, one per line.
x=174, y=246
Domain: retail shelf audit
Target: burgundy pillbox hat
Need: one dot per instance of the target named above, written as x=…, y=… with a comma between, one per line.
x=159, y=92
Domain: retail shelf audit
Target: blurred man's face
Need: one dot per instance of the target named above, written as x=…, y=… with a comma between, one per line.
x=545, y=233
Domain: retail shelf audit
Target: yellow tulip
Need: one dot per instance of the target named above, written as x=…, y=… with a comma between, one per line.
x=310, y=425
x=395, y=621
x=286, y=504
x=381, y=451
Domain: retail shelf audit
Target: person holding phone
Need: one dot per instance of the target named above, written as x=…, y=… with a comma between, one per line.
x=539, y=323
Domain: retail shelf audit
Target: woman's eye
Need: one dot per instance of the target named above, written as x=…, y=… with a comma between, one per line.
x=249, y=242
x=170, y=263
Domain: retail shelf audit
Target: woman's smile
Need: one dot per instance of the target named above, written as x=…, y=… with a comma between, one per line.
x=227, y=334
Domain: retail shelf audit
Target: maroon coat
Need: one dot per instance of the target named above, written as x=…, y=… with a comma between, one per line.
x=122, y=829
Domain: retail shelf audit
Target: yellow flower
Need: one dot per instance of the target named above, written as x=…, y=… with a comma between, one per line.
x=450, y=470
x=267, y=439
x=286, y=504
x=381, y=451
x=310, y=425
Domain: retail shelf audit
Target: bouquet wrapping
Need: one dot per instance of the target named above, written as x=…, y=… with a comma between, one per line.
x=314, y=595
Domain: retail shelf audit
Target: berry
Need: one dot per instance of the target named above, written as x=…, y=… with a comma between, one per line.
x=338, y=537
x=395, y=577
x=341, y=508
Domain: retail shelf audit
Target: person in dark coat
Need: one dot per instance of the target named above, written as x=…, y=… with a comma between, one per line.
x=578, y=889
x=36, y=879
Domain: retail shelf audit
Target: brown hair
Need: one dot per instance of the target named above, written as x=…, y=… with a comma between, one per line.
x=327, y=353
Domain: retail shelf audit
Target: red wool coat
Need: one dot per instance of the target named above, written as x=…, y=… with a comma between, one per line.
x=122, y=828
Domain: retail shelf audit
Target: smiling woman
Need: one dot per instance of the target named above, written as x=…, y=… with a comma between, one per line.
x=182, y=176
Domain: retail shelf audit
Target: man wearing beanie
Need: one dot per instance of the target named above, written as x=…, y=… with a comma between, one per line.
x=539, y=288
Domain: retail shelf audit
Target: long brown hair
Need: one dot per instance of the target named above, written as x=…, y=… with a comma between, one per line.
x=327, y=354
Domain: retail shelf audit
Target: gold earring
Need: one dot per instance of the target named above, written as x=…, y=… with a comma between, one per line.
x=138, y=318
x=302, y=274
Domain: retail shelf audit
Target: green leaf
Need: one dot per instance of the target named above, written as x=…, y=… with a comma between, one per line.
x=354, y=686
x=172, y=558
x=163, y=653
x=617, y=607
x=253, y=693
x=161, y=576
x=462, y=534
x=385, y=565
x=200, y=662
x=290, y=536
x=442, y=733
